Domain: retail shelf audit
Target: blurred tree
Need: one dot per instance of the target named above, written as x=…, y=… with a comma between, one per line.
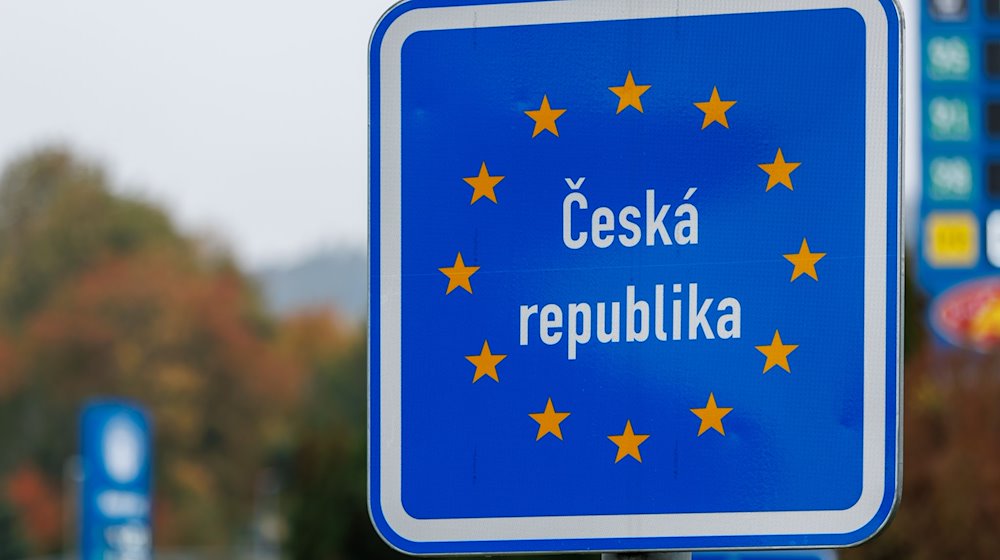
x=58, y=216
x=8, y=367
x=328, y=515
x=12, y=545
x=184, y=342
x=37, y=506
x=100, y=295
x=914, y=311
x=950, y=506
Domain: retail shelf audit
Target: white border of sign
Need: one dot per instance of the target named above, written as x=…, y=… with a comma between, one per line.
x=685, y=525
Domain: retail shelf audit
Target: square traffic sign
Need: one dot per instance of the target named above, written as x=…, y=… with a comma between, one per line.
x=634, y=274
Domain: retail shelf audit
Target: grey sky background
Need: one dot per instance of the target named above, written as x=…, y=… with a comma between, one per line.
x=245, y=118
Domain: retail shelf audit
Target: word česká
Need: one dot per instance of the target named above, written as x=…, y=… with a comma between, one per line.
x=627, y=230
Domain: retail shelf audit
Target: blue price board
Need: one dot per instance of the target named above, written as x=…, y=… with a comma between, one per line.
x=634, y=274
x=115, y=493
x=959, y=229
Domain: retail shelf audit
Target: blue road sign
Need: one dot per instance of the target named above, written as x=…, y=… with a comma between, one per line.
x=634, y=274
x=115, y=493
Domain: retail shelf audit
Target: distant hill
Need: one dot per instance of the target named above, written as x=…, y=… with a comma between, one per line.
x=334, y=278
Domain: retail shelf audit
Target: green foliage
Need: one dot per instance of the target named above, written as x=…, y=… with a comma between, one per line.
x=328, y=516
x=12, y=546
x=101, y=296
x=950, y=505
x=914, y=310
x=57, y=217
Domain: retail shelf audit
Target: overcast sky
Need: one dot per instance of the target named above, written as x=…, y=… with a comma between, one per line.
x=243, y=117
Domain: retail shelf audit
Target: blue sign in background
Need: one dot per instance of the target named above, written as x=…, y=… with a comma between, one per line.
x=959, y=243
x=115, y=497
x=961, y=153
x=793, y=440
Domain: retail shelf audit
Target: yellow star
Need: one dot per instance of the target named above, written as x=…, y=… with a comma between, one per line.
x=545, y=117
x=779, y=172
x=483, y=184
x=458, y=275
x=804, y=261
x=548, y=421
x=711, y=416
x=714, y=109
x=486, y=363
x=628, y=443
x=777, y=353
x=628, y=94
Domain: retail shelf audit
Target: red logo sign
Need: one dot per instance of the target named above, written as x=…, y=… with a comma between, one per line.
x=968, y=315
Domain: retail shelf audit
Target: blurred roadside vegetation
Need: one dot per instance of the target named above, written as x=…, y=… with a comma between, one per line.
x=102, y=294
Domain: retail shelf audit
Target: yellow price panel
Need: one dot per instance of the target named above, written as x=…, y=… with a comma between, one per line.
x=951, y=239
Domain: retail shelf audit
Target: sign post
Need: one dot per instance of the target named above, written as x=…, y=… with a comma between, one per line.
x=115, y=491
x=634, y=274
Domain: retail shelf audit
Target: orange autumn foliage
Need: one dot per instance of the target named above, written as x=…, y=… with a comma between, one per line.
x=37, y=504
x=315, y=336
x=101, y=295
x=132, y=318
x=190, y=344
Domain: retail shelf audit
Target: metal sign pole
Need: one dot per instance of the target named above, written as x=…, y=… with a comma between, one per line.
x=646, y=556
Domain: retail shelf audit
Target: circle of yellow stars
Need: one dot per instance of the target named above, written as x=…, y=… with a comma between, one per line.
x=779, y=171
